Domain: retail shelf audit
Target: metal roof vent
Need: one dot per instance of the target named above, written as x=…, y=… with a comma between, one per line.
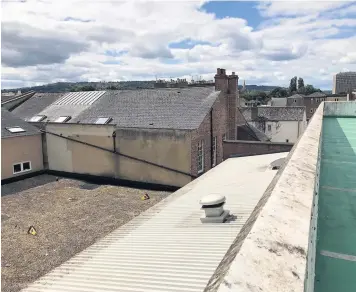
x=213, y=205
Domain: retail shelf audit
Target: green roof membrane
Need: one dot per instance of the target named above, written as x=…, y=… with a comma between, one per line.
x=336, y=234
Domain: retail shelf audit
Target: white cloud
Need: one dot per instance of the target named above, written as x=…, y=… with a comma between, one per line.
x=292, y=8
x=66, y=41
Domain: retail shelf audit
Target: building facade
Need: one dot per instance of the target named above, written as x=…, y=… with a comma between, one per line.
x=279, y=124
x=344, y=82
x=164, y=136
x=21, y=147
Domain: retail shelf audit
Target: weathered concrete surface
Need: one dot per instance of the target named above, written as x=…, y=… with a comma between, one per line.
x=340, y=108
x=273, y=255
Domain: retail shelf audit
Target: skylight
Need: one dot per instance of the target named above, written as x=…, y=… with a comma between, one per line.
x=62, y=119
x=15, y=129
x=37, y=118
x=103, y=121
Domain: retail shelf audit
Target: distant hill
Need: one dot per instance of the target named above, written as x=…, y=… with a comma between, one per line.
x=258, y=87
x=75, y=86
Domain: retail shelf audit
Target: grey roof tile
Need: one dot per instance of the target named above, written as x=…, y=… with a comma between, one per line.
x=10, y=120
x=275, y=113
x=36, y=104
x=171, y=108
x=317, y=94
x=297, y=95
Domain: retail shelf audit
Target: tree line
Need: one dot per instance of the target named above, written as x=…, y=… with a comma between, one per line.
x=296, y=85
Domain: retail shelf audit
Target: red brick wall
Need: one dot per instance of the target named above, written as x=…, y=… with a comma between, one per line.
x=204, y=133
x=247, y=148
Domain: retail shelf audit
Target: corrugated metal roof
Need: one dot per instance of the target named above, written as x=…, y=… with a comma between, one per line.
x=167, y=248
x=80, y=98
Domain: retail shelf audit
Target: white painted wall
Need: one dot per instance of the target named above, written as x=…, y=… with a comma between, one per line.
x=282, y=131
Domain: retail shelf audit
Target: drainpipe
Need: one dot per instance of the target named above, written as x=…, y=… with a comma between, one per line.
x=114, y=140
x=211, y=139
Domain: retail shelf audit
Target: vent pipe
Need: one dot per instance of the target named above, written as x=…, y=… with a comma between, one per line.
x=213, y=205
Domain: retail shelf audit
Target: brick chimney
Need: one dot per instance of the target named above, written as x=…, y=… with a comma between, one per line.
x=232, y=101
x=221, y=80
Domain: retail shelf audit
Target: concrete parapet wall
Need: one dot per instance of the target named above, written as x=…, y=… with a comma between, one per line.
x=278, y=253
x=341, y=108
x=247, y=148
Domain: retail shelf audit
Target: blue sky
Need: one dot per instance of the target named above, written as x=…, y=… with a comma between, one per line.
x=265, y=42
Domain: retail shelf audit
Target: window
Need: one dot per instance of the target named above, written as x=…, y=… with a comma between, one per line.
x=37, y=118
x=224, y=137
x=214, y=150
x=201, y=156
x=311, y=110
x=62, y=119
x=15, y=129
x=336, y=99
x=103, y=121
x=269, y=128
x=21, y=167
x=311, y=100
x=287, y=140
x=295, y=100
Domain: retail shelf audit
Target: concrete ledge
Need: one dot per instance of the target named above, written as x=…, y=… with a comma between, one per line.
x=241, y=148
x=272, y=254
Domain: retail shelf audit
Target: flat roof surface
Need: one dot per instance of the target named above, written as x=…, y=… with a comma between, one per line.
x=336, y=246
x=69, y=215
x=167, y=248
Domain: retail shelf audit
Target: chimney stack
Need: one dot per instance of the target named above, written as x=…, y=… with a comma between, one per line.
x=232, y=83
x=221, y=80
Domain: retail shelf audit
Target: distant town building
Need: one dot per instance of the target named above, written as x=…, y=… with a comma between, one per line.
x=280, y=124
x=278, y=101
x=312, y=101
x=344, y=82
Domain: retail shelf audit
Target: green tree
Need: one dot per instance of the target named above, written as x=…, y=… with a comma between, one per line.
x=293, y=85
x=85, y=88
x=309, y=89
x=300, y=83
x=278, y=92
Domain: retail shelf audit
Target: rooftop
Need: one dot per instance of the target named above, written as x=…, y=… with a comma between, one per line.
x=66, y=223
x=297, y=95
x=167, y=248
x=176, y=108
x=317, y=94
x=274, y=113
x=36, y=104
x=12, y=126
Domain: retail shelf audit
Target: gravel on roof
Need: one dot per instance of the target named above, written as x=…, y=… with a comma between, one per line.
x=68, y=215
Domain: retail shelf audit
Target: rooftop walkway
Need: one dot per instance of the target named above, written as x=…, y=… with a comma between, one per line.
x=336, y=246
x=167, y=248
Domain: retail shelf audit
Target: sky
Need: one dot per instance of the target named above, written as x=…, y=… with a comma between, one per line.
x=265, y=43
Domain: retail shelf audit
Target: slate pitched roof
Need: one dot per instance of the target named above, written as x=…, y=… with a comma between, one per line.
x=10, y=120
x=271, y=113
x=36, y=104
x=317, y=94
x=169, y=108
x=297, y=95
x=254, y=132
